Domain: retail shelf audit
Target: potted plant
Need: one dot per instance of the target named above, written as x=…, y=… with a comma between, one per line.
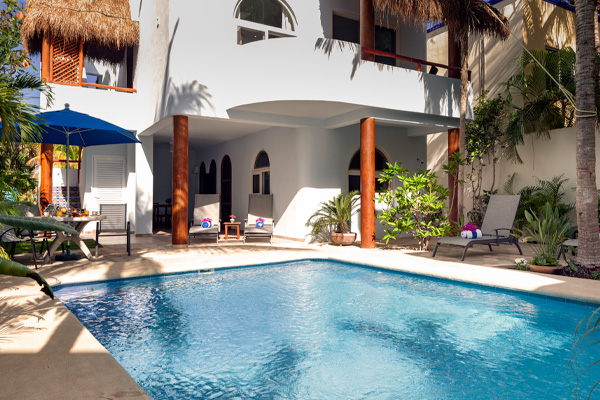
x=334, y=215
x=545, y=235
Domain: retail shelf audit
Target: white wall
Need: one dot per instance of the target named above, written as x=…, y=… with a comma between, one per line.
x=59, y=176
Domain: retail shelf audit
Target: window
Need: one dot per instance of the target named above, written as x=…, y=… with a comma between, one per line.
x=354, y=171
x=261, y=174
x=348, y=29
x=263, y=19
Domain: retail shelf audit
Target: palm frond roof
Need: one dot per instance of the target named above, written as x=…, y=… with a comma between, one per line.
x=104, y=26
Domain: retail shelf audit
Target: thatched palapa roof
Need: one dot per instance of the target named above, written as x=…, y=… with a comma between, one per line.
x=474, y=16
x=105, y=26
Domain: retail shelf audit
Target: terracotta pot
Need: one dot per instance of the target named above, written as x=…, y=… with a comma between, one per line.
x=545, y=269
x=343, y=239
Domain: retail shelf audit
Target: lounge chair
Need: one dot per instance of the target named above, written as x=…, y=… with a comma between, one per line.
x=259, y=206
x=571, y=243
x=496, y=227
x=115, y=224
x=205, y=206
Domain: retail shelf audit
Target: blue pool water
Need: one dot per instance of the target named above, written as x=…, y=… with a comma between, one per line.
x=325, y=330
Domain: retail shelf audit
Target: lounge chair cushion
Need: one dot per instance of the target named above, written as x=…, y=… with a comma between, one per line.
x=199, y=229
x=253, y=229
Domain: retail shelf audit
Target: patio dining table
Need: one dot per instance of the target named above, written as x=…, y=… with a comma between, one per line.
x=61, y=237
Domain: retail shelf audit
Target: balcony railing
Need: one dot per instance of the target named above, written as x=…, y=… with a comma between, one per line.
x=366, y=50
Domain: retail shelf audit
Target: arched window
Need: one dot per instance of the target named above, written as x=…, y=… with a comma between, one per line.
x=261, y=174
x=354, y=171
x=264, y=19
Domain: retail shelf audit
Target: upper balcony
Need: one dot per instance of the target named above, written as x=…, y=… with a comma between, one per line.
x=324, y=83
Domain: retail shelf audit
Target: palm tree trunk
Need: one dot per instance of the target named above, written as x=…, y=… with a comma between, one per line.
x=464, y=84
x=588, y=251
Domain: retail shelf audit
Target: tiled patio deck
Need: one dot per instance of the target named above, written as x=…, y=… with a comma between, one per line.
x=45, y=352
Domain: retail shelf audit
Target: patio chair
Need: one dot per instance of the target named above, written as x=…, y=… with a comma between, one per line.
x=8, y=236
x=496, y=227
x=205, y=206
x=259, y=206
x=115, y=224
x=34, y=236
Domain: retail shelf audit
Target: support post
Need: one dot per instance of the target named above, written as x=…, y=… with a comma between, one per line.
x=453, y=147
x=454, y=133
x=180, y=181
x=46, y=150
x=367, y=27
x=367, y=183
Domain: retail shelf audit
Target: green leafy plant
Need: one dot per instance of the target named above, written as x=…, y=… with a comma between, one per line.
x=542, y=106
x=586, y=342
x=334, y=214
x=416, y=206
x=546, y=234
x=8, y=267
x=536, y=196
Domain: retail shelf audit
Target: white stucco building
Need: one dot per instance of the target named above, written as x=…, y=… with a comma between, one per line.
x=268, y=116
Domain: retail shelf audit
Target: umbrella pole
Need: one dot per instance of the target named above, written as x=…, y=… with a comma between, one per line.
x=68, y=256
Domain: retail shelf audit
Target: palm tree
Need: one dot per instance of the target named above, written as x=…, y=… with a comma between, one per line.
x=545, y=105
x=588, y=252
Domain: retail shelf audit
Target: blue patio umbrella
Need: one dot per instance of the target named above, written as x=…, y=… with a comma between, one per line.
x=73, y=128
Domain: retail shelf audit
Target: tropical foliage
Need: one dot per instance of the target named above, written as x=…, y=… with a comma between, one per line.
x=546, y=234
x=534, y=197
x=334, y=214
x=416, y=206
x=545, y=105
x=8, y=267
x=586, y=341
x=18, y=116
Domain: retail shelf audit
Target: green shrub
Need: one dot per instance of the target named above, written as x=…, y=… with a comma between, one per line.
x=416, y=206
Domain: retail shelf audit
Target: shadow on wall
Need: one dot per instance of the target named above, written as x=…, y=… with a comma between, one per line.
x=438, y=97
x=554, y=28
x=188, y=98
x=330, y=46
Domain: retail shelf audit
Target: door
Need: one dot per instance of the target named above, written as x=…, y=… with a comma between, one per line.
x=226, y=187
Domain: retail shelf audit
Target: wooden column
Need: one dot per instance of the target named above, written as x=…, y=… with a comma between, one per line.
x=46, y=150
x=180, y=181
x=454, y=133
x=453, y=146
x=367, y=183
x=46, y=157
x=367, y=27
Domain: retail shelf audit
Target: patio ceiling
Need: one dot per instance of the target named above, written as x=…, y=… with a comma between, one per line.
x=251, y=118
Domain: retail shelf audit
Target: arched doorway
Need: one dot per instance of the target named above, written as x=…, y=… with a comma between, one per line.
x=202, y=179
x=226, y=188
x=211, y=184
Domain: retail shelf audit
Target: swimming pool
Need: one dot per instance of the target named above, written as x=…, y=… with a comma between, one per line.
x=328, y=330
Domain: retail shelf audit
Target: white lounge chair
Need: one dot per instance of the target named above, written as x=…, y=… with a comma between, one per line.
x=259, y=206
x=205, y=206
x=496, y=227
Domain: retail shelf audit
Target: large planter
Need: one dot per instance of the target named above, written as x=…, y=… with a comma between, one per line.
x=545, y=269
x=343, y=239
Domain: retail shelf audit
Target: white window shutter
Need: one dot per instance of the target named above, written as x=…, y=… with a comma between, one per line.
x=109, y=179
